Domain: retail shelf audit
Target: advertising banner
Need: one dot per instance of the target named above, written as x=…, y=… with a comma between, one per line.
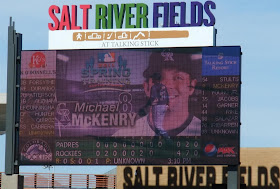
x=165, y=106
x=132, y=38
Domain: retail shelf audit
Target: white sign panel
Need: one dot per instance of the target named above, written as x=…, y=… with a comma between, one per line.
x=132, y=38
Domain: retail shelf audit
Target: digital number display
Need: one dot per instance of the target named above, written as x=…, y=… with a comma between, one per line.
x=140, y=150
x=130, y=106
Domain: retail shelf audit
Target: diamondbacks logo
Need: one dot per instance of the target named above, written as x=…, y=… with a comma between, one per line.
x=38, y=60
x=36, y=150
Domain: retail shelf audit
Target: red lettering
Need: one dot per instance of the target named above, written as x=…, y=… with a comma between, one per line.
x=74, y=19
x=65, y=18
x=65, y=21
x=85, y=15
x=220, y=150
x=226, y=150
x=53, y=9
x=230, y=150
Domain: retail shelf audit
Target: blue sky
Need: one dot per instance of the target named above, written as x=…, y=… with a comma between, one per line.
x=254, y=25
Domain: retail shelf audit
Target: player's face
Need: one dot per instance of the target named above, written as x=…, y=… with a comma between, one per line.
x=179, y=86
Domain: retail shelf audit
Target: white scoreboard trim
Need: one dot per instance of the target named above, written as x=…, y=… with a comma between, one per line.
x=132, y=38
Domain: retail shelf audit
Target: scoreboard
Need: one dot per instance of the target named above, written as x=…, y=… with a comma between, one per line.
x=94, y=107
x=133, y=151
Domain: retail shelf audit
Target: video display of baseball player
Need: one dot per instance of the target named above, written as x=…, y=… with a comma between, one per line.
x=130, y=106
x=170, y=79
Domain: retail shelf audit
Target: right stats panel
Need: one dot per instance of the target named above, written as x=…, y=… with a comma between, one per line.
x=220, y=104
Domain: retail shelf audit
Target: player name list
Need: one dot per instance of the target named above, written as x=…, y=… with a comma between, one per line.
x=220, y=105
x=37, y=107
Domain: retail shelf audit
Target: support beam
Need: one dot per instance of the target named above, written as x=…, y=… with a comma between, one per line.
x=13, y=99
x=233, y=180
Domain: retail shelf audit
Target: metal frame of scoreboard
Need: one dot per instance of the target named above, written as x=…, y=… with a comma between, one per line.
x=13, y=113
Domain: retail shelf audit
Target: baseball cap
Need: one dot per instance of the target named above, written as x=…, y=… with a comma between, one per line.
x=176, y=58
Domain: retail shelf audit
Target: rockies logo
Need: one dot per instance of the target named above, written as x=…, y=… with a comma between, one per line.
x=167, y=56
x=63, y=113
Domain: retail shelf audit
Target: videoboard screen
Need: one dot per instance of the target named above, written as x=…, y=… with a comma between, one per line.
x=130, y=106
